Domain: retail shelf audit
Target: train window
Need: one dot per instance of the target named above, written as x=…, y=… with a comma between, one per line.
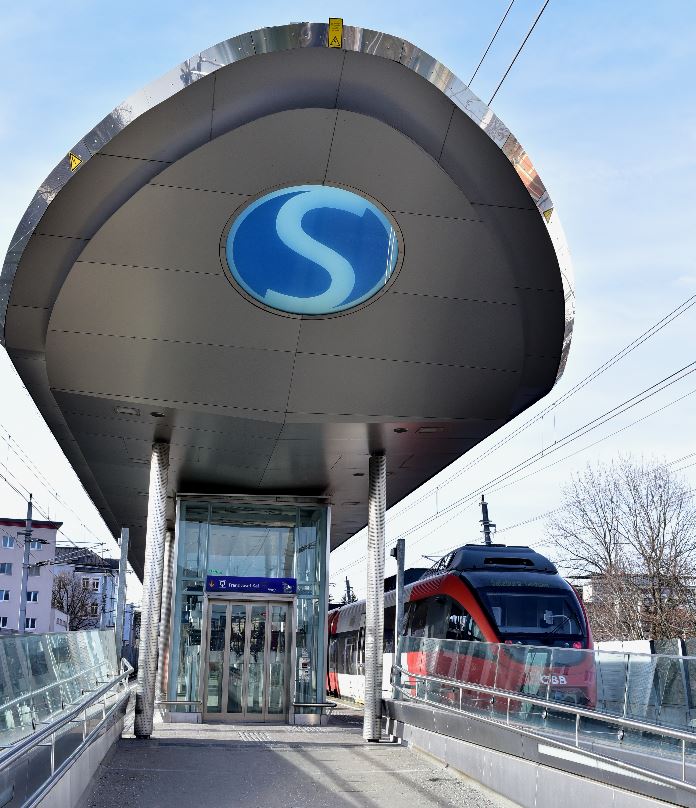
x=438, y=614
x=389, y=617
x=461, y=625
x=410, y=608
x=418, y=622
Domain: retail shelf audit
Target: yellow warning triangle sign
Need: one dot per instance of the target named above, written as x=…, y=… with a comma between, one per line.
x=75, y=161
x=547, y=214
x=335, y=32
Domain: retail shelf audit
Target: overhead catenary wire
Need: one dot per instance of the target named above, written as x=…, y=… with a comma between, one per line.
x=503, y=480
x=485, y=53
x=654, y=329
x=37, y=506
x=519, y=50
x=572, y=454
x=38, y=475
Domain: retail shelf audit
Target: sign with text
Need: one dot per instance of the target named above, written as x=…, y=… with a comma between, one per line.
x=251, y=586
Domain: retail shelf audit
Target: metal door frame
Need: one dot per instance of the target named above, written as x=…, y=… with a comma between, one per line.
x=290, y=659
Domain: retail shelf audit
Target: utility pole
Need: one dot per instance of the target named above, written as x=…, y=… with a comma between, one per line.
x=486, y=522
x=399, y=553
x=349, y=591
x=25, y=569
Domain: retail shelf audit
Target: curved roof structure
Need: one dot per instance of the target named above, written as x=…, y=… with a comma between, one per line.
x=120, y=312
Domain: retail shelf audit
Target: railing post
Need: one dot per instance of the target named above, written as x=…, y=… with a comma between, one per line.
x=627, y=665
x=684, y=759
x=577, y=730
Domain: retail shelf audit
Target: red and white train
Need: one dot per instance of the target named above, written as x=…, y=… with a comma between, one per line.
x=483, y=594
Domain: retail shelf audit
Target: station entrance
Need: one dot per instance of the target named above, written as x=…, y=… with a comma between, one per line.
x=247, y=665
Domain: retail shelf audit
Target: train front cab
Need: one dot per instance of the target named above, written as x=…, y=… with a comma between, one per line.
x=532, y=615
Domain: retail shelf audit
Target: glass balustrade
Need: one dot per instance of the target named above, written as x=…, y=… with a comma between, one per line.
x=43, y=674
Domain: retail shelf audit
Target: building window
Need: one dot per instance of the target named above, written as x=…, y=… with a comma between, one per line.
x=33, y=597
x=8, y=541
x=85, y=583
x=34, y=570
x=95, y=584
x=3, y=622
x=4, y=594
x=29, y=622
x=94, y=608
x=35, y=545
x=6, y=568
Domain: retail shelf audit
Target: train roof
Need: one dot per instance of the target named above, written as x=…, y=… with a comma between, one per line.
x=475, y=557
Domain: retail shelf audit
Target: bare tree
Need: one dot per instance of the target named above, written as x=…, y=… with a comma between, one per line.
x=630, y=527
x=71, y=597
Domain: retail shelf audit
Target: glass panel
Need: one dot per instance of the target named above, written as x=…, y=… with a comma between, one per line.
x=235, y=680
x=216, y=652
x=252, y=543
x=257, y=646
x=306, y=639
x=277, y=659
x=41, y=674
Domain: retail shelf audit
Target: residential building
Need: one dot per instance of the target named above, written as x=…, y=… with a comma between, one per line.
x=98, y=575
x=40, y=581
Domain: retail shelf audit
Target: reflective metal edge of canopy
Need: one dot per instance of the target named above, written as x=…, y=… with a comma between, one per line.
x=287, y=37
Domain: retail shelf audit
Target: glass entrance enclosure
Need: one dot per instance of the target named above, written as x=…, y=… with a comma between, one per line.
x=243, y=655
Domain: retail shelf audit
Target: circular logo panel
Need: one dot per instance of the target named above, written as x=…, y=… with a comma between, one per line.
x=312, y=249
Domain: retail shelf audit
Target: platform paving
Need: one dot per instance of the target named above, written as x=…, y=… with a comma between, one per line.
x=261, y=766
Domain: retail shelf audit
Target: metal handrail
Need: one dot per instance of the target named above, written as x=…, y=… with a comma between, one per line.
x=578, y=712
x=35, y=799
x=665, y=779
x=194, y=701
x=43, y=689
x=24, y=745
x=630, y=723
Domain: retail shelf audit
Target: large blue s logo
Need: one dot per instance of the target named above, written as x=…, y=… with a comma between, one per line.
x=312, y=249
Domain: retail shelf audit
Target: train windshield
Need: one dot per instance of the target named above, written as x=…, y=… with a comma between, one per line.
x=528, y=614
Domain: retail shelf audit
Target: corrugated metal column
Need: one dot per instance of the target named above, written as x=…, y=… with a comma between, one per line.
x=374, y=605
x=165, y=615
x=152, y=590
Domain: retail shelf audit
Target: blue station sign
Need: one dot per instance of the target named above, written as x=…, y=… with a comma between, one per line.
x=251, y=586
x=312, y=249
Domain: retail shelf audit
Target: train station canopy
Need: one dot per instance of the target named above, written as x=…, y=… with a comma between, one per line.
x=280, y=257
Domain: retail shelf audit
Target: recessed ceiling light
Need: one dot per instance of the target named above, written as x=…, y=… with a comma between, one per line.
x=127, y=410
x=426, y=430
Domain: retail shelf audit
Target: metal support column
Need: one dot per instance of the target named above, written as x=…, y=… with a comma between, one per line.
x=374, y=604
x=165, y=616
x=152, y=590
x=399, y=553
x=121, y=593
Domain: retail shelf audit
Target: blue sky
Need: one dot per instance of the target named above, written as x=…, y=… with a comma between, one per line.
x=602, y=98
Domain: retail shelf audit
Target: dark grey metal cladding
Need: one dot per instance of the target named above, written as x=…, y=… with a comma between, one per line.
x=126, y=263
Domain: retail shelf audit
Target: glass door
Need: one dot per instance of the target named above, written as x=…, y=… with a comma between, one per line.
x=248, y=661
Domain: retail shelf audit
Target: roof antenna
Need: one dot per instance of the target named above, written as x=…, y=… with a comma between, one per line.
x=486, y=522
